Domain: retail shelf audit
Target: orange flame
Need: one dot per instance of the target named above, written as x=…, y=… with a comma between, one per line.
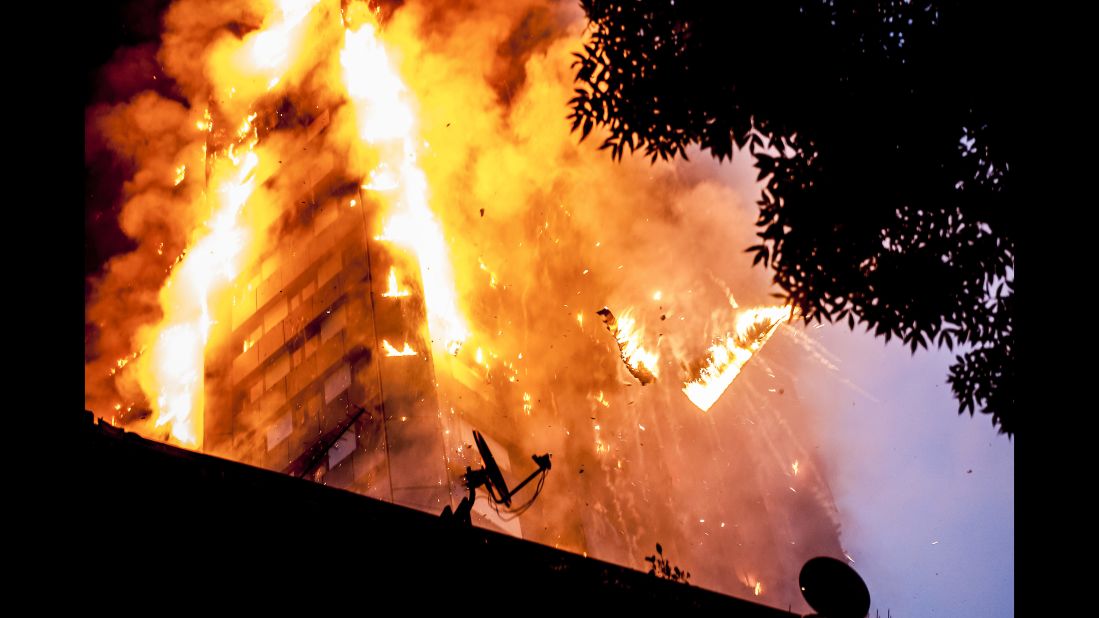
x=173, y=370
x=602, y=400
x=392, y=351
x=394, y=290
x=386, y=122
x=172, y=374
x=641, y=362
x=753, y=328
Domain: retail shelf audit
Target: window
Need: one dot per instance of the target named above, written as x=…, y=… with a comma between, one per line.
x=279, y=430
x=270, y=265
x=333, y=324
x=277, y=370
x=256, y=391
x=337, y=382
x=274, y=316
x=330, y=268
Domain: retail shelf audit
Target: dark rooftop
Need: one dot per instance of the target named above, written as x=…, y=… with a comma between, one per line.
x=179, y=525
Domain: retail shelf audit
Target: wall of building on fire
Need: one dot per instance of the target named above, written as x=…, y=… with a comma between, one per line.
x=305, y=350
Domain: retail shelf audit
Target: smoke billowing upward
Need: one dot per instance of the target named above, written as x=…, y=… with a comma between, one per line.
x=542, y=233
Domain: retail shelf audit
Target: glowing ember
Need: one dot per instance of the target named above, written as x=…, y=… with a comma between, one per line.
x=394, y=290
x=753, y=328
x=758, y=589
x=795, y=467
x=641, y=363
x=392, y=351
x=527, y=405
x=602, y=400
x=122, y=362
x=491, y=275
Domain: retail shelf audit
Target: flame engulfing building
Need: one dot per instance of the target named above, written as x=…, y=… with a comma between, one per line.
x=321, y=363
x=314, y=336
x=315, y=281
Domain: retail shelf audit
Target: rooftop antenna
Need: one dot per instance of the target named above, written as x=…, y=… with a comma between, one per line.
x=492, y=479
x=834, y=589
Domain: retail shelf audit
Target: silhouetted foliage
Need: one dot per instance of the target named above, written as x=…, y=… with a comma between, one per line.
x=662, y=567
x=883, y=133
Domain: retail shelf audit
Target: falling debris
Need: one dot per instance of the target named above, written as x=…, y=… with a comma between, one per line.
x=753, y=328
x=641, y=363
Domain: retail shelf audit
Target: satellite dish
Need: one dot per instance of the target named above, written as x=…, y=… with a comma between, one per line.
x=493, y=480
x=492, y=471
x=834, y=589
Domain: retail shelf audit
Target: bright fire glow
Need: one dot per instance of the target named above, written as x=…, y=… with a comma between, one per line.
x=174, y=368
x=172, y=373
x=491, y=275
x=385, y=122
x=394, y=290
x=752, y=329
x=641, y=362
x=268, y=55
x=392, y=351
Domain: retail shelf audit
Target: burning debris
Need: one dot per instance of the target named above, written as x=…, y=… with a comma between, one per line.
x=641, y=363
x=752, y=329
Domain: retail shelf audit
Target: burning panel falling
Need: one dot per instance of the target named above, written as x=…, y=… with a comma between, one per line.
x=369, y=228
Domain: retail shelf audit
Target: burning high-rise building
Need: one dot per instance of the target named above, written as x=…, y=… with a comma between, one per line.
x=317, y=332
x=388, y=228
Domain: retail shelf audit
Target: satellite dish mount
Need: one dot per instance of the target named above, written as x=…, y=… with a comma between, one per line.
x=492, y=479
